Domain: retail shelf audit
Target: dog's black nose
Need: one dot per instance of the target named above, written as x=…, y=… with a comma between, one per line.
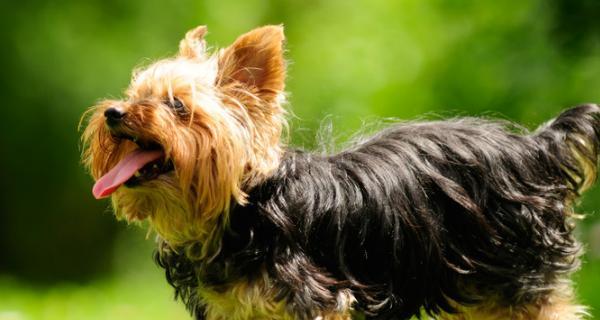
x=114, y=116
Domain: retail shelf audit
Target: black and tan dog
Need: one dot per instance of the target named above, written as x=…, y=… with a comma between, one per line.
x=458, y=219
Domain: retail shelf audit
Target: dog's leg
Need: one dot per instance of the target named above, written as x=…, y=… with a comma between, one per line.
x=560, y=305
x=335, y=316
x=475, y=313
x=343, y=310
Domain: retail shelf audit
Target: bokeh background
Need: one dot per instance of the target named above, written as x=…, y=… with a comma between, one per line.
x=63, y=255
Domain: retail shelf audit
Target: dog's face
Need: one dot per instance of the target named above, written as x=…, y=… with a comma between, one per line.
x=191, y=134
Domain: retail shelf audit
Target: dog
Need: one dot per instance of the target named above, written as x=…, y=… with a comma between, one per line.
x=463, y=218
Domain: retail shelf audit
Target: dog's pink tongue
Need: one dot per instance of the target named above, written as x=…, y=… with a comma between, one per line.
x=124, y=170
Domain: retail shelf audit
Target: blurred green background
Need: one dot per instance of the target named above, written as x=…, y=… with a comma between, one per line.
x=62, y=254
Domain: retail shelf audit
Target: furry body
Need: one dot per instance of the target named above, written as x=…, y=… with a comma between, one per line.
x=423, y=215
x=458, y=219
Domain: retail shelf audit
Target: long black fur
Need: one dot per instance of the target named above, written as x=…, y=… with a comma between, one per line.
x=411, y=219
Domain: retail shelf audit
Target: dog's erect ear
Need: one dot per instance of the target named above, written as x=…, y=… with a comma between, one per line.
x=193, y=45
x=255, y=60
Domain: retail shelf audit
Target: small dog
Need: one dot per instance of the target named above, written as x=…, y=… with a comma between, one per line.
x=459, y=219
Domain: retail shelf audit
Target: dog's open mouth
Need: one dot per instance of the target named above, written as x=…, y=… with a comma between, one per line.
x=143, y=164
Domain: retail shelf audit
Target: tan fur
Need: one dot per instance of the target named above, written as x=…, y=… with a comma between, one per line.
x=243, y=300
x=561, y=305
x=578, y=143
x=230, y=141
x=556, y=305
x=193, y=45
x=257, y=300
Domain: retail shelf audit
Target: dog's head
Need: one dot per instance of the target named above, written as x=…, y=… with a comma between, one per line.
x=191, y=133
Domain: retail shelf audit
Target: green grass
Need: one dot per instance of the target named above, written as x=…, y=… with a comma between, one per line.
x=136, y=290
x=143, y=296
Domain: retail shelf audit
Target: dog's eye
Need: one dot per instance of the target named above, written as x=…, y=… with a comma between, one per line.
x=176, y=105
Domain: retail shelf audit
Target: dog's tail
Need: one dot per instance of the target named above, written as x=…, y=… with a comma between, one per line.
x=574, y=139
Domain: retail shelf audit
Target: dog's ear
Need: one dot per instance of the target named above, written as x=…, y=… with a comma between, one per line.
x=255, y=60
x=193, y=45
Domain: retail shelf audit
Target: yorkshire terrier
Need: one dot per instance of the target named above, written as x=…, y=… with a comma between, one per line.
x=459, y=219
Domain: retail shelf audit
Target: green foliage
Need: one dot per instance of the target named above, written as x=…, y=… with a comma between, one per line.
x=129, y=299
x=357, y=61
